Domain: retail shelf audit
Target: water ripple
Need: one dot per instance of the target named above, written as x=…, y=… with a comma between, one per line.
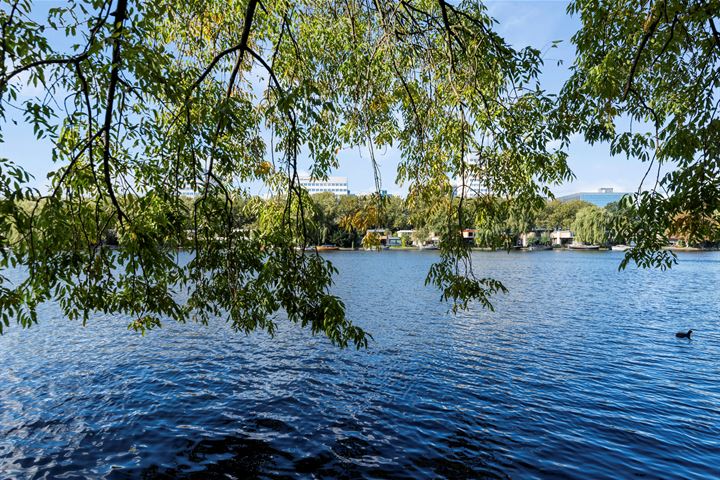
x=576, y=375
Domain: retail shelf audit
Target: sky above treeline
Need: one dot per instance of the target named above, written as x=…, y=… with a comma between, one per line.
x=523, y=23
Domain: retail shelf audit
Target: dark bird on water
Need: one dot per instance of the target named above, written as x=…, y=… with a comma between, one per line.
x=683, y=334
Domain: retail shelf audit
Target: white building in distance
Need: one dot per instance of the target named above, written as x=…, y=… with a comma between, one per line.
x=469, y=188
x=188, y=191
x=472, y=185
x=336, y=185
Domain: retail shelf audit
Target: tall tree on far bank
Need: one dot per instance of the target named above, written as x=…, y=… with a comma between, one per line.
x=557, y=215
x=694, y=231
x=591, y=225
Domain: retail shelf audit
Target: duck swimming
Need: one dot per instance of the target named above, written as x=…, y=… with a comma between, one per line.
x=683, y=334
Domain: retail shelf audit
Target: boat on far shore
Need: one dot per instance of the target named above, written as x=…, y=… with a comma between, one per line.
x=580, y=246
x=428, y=247
x=537, y=248
x=318, y=248
x=620, y=248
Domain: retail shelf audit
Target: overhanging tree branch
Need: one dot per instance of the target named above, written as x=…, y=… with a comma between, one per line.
x=648, y=33
x=241, y=48
x=119, y=16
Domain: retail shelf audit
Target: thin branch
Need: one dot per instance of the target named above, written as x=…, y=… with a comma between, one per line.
x=450, y=35
x=86, y=146
x=119, y=15
x=101, y=20
x=265, y=65
x=41, y=63
x=249, y=14
x=241, y=48
x=669, y=39
x=649, y=33
x=716, y=35
x=210, y=68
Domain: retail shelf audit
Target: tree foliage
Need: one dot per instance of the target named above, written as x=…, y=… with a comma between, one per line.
x=591, y=225
x=695, y=231
x=646, y=80
x=559, y=215
x=343, y=220
x=141, y=99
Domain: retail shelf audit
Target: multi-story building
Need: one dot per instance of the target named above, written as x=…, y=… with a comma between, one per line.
x=336, y=185
x=470, y=186
x=188, y=191
x=600, y=198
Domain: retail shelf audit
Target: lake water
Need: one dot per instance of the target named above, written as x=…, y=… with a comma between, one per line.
x=577, y=374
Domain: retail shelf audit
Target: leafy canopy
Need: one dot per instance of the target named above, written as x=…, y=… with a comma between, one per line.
x=142, y=99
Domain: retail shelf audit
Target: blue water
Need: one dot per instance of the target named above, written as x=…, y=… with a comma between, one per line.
x=577, y=374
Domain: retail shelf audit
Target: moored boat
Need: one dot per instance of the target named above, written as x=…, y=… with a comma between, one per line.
x=537, y=248
x=620, y=248
x=580, y=246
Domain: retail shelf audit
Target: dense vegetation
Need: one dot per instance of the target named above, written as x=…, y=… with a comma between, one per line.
x=344, y=221
x=590, y=224
x=142, y=98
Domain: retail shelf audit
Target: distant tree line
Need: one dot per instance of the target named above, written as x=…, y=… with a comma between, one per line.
x=591, y=224
x=345, y=220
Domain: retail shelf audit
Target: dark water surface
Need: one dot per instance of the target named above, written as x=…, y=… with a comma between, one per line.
x=577, y=374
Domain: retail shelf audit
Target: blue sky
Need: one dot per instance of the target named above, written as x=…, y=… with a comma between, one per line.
x=537, y=23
